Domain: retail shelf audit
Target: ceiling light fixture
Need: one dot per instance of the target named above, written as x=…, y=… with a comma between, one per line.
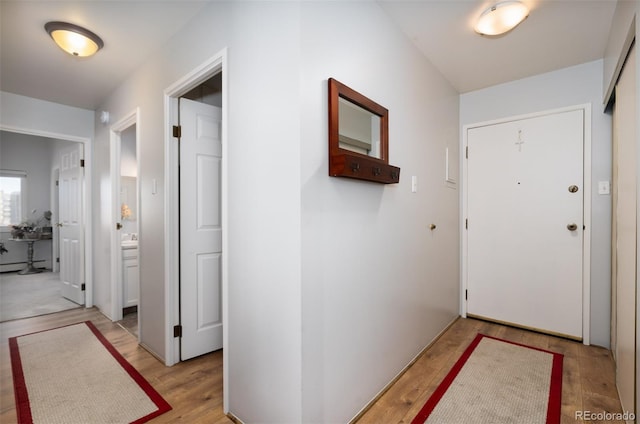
x=501, y=17
x=74, y=39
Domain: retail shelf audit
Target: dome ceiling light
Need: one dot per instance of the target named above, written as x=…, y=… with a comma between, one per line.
x=501, y=18
x=74, y=39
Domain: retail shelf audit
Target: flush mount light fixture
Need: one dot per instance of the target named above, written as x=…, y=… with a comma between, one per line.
x=74, y=39
x=501, y=17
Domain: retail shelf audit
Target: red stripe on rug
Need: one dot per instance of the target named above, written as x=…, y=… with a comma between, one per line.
x=555, y=388
x=22, y=396
x=19, y=385
x=163, y=405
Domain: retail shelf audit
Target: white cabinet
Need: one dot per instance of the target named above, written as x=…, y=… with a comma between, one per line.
x=130, y=277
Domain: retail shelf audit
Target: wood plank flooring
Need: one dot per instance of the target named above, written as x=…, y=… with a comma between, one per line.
x=194, y=388
x=588, y=381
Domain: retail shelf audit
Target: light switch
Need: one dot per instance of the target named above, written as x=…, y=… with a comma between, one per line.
x=603, y=187
x=414, y=184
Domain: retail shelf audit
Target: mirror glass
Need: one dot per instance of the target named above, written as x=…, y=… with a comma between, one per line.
x=128, y=199
x=359, y=129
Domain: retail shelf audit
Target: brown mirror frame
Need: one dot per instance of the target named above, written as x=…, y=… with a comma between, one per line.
x=351, y=164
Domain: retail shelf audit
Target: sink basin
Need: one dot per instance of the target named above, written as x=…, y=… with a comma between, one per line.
x=129, y=244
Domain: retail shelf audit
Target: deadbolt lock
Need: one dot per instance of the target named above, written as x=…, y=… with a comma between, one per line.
x=573, y=189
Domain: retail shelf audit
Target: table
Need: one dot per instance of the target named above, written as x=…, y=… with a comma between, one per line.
x=29, y=269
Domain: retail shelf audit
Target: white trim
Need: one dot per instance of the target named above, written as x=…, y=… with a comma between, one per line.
x=12, y=173
x=24, y=193
x=115, y=140
x=87, y=203
x=55, y=206
x=586, y=248
x=626, y=48
x=216, y=64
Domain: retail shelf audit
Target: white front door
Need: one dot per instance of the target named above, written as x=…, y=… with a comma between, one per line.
x=70, y=191
x=200, y=229
x=525, y=222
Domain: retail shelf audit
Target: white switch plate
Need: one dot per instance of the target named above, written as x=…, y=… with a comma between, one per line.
x=603, y=187
x=414, y=184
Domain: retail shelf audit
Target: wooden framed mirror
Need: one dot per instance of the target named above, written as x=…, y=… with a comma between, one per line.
x=358, y=137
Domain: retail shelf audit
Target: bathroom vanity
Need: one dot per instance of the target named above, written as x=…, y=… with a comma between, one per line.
x=130, y=274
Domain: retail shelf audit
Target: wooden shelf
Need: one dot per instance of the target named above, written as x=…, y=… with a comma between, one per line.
x=363, y=168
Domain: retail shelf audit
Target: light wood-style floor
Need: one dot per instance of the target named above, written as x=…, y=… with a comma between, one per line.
x=588, y=381
x=194, y=388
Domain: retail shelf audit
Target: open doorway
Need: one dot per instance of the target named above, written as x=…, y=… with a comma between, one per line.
x=214, y=66
x=38, y=277
x=125, y=207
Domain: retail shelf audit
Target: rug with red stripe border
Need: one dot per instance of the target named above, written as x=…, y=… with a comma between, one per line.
x=498, y=381
x=73, y=374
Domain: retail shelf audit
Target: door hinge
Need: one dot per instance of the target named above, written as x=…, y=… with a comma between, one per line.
x=466, y=224
x=177, y=131
x=466, y=152
x=466, y=295
x=57, y=183
x=177, y=331
x=81, y=163
x=83, y=287
x=57, y=260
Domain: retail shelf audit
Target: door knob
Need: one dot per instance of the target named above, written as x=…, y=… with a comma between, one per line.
x=118, y=226
x=572, y=227
x=573, y=189
x=59, y=224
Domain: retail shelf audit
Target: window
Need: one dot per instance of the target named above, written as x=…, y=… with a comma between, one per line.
x=12, y=197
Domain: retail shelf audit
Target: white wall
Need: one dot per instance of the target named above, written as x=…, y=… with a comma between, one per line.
x=377, y=284
x=264, y=196
x=367, y=311
x=26, y=114
x=566, y=87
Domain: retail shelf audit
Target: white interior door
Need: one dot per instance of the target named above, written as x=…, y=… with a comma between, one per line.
x=71, y=224
x=200, y=229
x=625, y=231
x=524, y=263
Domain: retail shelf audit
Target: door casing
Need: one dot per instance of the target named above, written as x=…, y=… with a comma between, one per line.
x=115, y=138
x=214, y=65
x=87, y=198
x=586, y=249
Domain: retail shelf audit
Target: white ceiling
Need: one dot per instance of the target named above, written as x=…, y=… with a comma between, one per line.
x=557, y=34
x=32, y=65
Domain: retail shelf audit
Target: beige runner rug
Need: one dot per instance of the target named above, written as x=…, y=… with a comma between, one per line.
x=74, y=375
x=496, y=381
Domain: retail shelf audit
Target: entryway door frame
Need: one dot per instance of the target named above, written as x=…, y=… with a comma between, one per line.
x=115, y=142
x=586, y=247
x=87, y=145
x=211, y=67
